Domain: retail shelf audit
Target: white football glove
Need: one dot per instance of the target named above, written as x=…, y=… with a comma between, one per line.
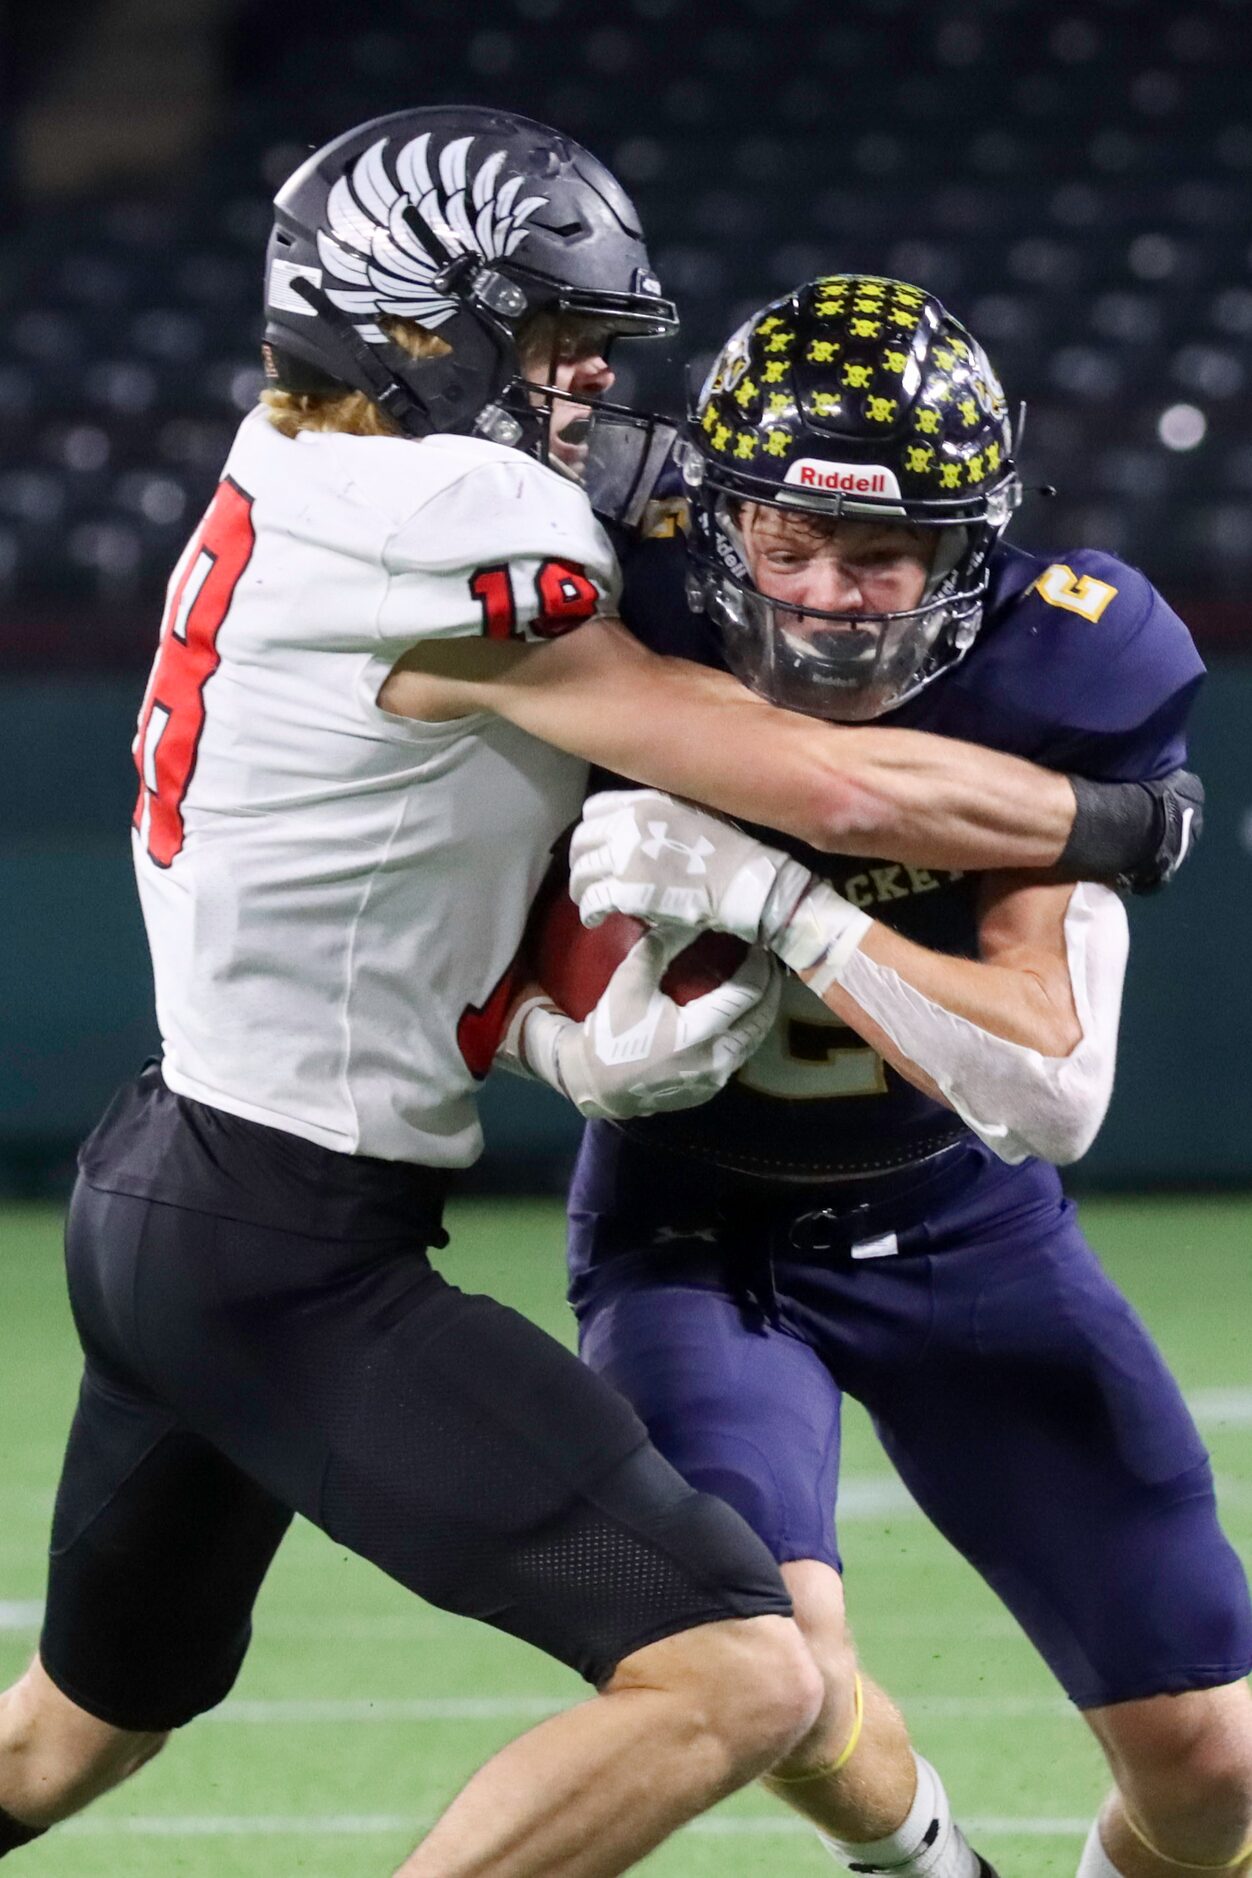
x=638, y=1052
x=641, y=852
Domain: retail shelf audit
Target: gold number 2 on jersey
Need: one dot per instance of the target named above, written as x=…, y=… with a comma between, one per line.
x=810, y=1055
x=1076, y=593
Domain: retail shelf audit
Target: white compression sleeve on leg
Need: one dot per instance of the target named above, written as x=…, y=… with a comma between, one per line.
x=929, y=1844
x=1018, y=1101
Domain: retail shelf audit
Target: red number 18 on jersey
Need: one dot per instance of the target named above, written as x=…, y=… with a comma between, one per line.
x=172, y=716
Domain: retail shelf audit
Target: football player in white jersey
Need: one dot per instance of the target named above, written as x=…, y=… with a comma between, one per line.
x=368, y=718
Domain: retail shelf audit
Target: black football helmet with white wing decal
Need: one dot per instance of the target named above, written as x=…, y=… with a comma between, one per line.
x=469, y=221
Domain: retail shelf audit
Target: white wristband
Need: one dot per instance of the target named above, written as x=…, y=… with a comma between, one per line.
x=819, y=931
x=530, y=1042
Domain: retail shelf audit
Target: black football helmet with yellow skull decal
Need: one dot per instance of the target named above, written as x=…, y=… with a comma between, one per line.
x=852, y=398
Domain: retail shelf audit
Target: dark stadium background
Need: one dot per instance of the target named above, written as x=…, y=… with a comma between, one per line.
x=1076, y=182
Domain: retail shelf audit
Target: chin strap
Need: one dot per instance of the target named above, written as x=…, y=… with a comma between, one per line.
x=366, y=370
x=436, y=407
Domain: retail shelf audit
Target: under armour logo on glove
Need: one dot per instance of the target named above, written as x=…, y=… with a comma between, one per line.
x=695, y=870
x=643, y=853
x=661, y=843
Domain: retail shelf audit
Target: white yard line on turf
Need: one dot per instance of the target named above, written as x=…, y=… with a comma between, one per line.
x=20, y=1614
x=1008, y=1828
x=875, y=1496
x=361, y=1825
x=1215, y=1407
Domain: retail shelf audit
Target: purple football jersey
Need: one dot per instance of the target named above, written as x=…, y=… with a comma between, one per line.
x=1080, y=665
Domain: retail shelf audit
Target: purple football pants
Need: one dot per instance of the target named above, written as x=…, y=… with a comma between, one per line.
x=1020, y=1398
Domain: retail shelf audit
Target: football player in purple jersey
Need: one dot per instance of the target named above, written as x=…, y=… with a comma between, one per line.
x=869, y=1205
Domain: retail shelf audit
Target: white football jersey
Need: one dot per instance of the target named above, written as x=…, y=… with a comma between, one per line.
x=332, y=893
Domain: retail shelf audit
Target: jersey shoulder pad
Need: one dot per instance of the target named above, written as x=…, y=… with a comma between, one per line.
x=654, y=601
x=1110, y=669
x=498, y=544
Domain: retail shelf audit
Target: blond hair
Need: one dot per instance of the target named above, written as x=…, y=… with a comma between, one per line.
x=351, y=413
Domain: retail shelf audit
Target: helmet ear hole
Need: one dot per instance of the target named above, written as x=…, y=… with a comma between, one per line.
x=414, y=338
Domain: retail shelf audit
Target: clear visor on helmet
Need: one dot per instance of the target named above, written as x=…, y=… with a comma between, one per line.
x=847, y=666
x=625, y=452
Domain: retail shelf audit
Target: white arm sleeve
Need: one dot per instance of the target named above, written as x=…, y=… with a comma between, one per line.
x=1017, y=1101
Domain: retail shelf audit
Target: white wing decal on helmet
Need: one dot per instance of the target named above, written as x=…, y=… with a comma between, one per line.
x=372, y=251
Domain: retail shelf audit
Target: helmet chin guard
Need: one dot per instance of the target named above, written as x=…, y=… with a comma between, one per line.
x=467, y=221
x=852, y=399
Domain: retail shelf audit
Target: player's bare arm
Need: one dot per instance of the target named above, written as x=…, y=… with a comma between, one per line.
x=597, y=693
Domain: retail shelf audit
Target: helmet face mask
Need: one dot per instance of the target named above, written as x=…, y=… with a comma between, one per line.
x=468, y=222
x=613, y=451
x=849, y=666
x=854, y=399
x=618, y=456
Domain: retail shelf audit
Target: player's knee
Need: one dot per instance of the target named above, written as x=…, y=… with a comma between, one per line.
x=1188, y=1778
x=56, y=1758
x=1208, y=1786
x=817, y=1595
x=762, y=1692
x=817, y=1598
x=748, y=1688
x=789, y=1688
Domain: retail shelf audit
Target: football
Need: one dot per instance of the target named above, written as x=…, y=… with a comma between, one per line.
x=574, y=964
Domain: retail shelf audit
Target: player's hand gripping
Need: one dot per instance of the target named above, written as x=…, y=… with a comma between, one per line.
x=638, y=1052
x=642, y=852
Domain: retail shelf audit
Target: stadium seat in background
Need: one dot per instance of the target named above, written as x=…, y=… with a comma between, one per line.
x=1096, y=234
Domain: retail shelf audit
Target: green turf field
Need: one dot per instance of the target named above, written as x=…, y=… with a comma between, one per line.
x=360, y=1710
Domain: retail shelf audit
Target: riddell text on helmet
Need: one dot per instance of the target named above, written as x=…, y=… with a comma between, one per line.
x=862, y=479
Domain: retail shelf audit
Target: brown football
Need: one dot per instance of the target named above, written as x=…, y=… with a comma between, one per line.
x=574, y=963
